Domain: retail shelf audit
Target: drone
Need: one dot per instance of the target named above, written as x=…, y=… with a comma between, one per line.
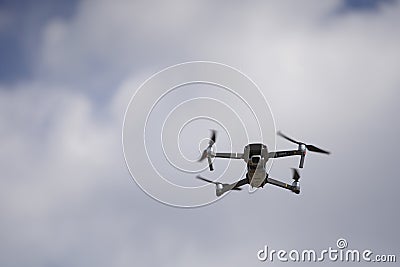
x=256, y=156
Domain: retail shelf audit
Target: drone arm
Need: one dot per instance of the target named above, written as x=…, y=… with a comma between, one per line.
x=278, y=183
x=240, y=183
x=284, y=153
x=223, y=188
x=283, y=185
x=288, y=153
x=229, y=155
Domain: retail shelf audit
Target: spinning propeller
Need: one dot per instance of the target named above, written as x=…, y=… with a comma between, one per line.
x=296, y=184
x=207, y=151
x=303, y=147
x=296, y=175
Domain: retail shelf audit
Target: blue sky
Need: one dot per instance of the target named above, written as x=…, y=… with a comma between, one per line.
x=329, y=70
x=356, y=5
x=20, y=35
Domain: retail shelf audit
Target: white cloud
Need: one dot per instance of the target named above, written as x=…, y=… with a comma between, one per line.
x=66, y=197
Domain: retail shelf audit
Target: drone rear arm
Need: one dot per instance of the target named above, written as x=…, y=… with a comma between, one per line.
x=293, y=188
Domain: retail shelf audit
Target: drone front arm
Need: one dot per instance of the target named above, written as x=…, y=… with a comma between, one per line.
x=285, y=153
x=288, y=153
x=240, y=183
x=228, y=155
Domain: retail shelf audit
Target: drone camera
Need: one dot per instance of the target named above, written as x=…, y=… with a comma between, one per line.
x=255, y=159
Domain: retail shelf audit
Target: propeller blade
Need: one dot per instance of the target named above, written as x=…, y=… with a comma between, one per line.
x=213, y=137
x=206, y=180
x=309, y=147
x=208, y=149
x=296, y=175
x=302, y=158
x=288, y=138
x=210, y=165
x=317, y=149
x=203, y=156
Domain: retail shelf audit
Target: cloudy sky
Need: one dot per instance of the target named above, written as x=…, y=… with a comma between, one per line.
x=328, y=69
